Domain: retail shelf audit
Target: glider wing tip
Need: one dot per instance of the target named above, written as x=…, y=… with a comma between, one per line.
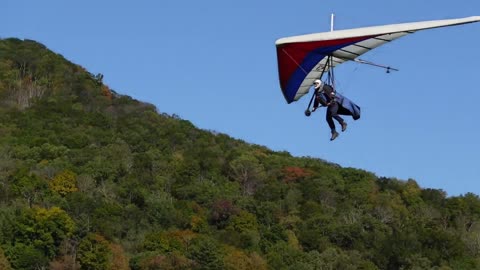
x=474, y=18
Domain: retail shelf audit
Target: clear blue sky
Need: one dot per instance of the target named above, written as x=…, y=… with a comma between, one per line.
x=214, y=63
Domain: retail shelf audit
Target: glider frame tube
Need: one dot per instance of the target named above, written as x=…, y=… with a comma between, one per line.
x=328, y=63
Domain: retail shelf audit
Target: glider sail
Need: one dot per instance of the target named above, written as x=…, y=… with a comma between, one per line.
x=301, y=59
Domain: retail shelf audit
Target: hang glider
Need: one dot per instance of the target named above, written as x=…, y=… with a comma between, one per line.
x=302, y=59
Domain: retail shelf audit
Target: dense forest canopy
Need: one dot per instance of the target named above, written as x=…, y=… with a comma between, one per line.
x=91, y=179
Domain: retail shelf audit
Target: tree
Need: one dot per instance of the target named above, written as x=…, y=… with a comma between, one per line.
x=118, y=260
x=93, y=252
x=360, y=186
x=283, y=256
x=63, y=183
x=411, y=194
x=160, y=209
x=7, y=167
x=155, y=260
x=158, y=241
x=221, y=211
x=333, y=258
x=244, y=221
x=4, y=263
x=28, y=185
x=293, y=174
x=248, y=171
x=242, y=230
x=206, y=253
x=44, y=229
x=26, y=257
x=236, y=259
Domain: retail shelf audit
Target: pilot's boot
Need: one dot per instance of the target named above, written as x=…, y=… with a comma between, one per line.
x=334, y=135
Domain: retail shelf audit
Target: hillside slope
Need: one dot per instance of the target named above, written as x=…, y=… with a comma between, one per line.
x=91, y=179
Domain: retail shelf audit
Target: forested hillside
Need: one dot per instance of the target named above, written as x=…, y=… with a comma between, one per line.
x=91, y=179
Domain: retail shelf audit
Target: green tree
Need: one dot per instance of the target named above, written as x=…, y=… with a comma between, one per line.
x=93, y=252
x=206, y=253
x=29, y=186
x=411, y=194
x=242, y=230
x=248, y=171
x=283, y=256
x=26, y=257
x=333, y=258
x=155, y=260
x=44, y=229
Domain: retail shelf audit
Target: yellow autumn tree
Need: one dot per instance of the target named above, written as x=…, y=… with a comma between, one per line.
x=4, y=264
x=118, y=259
x=411, y=193
x=63, y=183
x=236, y=259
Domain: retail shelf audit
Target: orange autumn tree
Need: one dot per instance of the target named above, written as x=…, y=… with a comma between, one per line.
x=106, y=92
x=293, y=174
